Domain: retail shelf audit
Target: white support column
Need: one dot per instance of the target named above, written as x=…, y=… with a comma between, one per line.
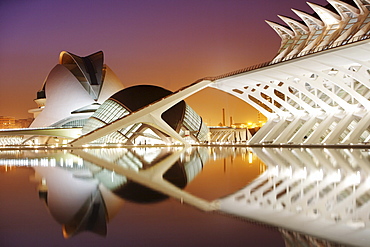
x=285, y=90
x=274, y=131
x=355, y=134
x=283, y=137
x=261, y=133
x=334, y=135
x=226, y=136
x=317, y=133
x=300, y=134
x=218, y=135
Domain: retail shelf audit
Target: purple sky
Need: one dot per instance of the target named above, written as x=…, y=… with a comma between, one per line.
x=168, y=43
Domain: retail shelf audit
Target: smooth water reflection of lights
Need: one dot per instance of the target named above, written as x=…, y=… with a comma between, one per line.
x=318, y=188
x=307, y=183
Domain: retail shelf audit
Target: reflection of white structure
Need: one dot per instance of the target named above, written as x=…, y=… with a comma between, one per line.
x=73, y=90
x=76, y=200
x=83, y=196
x=190, y=163
x=320, y=192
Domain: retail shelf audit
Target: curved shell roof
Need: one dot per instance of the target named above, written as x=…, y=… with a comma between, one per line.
x=75, y=83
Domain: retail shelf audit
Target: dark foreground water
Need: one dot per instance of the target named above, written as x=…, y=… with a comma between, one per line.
x=95, y=198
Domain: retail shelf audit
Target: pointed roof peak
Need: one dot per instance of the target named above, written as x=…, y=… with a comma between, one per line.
x=327, y=16
x=341, y=7
x=281, y=30
x=310, y=20
x=295, y=25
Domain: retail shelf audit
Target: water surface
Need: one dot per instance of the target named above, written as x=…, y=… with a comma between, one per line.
x=219, y=196
x=58, y=199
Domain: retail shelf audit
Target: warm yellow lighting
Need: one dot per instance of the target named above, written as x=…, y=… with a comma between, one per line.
x=250, y=158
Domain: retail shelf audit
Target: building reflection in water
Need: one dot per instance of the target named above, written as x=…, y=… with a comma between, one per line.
x=313, y=196
x=320, y=192
x=82, y=196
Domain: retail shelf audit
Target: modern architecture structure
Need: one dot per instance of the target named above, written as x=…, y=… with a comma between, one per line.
x=82, y=95
x=73, y=90
x=315, y=90
x=180, y=117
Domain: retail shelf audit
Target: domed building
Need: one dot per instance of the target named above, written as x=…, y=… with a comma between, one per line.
x=73, y=90
x=181, y=117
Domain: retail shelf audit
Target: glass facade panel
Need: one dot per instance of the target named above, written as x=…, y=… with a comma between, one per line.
x=75, y=123
x=194, y=123
x=111, y=110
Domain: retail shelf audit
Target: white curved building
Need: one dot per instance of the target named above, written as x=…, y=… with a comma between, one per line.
x=73, y=90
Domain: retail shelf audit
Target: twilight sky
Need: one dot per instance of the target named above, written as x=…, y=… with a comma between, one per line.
x=170, y=43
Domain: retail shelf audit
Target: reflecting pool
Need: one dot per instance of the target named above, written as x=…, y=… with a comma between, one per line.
x=220, y=196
